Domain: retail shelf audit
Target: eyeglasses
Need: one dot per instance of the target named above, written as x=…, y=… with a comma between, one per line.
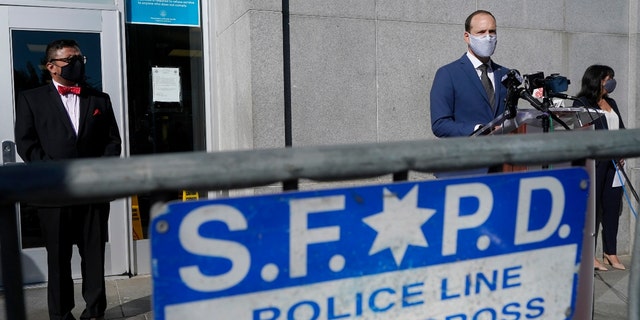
x=71, y=59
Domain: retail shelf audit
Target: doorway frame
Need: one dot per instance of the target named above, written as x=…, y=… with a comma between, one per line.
x=108, y=24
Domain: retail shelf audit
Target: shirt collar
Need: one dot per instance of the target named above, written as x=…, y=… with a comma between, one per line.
x=476, y=62
x=57, y=84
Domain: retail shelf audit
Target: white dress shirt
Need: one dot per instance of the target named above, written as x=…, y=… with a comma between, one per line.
x=72, y=105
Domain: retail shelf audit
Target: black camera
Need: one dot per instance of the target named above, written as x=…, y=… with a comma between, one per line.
x=554, y=83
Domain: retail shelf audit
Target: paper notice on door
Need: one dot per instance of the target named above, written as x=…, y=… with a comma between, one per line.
x=166, y=84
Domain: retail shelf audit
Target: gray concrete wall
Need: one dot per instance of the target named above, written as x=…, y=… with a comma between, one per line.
x=362, y=69
x=247, y=90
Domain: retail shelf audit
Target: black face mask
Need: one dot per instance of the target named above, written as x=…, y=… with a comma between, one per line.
x=74, y=71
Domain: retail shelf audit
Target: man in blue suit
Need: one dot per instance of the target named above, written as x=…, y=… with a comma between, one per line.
x=460, y=104
x=467, y=93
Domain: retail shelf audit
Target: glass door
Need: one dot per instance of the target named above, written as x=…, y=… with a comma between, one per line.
x=171, y=125
x=25, y=33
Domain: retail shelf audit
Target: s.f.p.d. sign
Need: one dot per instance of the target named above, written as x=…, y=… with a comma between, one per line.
x=502, y=246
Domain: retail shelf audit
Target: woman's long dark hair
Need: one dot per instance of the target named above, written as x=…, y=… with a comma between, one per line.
x=592, y=82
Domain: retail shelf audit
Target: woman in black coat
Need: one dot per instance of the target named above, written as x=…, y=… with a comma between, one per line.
x=597, y=83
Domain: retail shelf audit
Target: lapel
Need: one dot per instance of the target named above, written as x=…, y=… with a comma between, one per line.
x=84, y=112
x=59, y=109
x=498, y=73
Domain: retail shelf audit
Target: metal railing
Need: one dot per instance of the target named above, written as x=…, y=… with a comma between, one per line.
x=99, y=179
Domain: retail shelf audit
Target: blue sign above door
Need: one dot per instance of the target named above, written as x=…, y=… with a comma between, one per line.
x=164, y=12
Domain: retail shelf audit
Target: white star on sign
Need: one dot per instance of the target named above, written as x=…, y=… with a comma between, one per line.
x=399, y=224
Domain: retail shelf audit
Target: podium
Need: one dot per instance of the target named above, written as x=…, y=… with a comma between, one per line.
x=575, y=117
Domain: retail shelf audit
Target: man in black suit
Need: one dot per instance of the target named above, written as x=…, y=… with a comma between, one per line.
x=66, y=120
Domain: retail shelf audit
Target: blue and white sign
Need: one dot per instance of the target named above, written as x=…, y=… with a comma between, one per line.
x=503, y=246
x=164, y=12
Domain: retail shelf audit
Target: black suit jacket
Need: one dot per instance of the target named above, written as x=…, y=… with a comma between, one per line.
x=44, y=131
x=601, y=122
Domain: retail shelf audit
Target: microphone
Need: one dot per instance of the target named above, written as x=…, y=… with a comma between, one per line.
x=512, y=80
x=511, y=102
x=524, y=94
x=561, y=96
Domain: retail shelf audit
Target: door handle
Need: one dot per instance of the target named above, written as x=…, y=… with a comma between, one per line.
x=8, y=152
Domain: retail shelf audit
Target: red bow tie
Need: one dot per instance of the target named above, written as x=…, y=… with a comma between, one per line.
x=66, y=90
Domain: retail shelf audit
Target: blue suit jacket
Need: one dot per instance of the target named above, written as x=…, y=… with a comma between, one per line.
x=458, y=100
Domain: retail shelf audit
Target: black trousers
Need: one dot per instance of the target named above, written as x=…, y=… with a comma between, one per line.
x=86, y=226
x=608, y=206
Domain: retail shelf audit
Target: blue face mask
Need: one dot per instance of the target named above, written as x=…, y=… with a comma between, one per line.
x=610, y=85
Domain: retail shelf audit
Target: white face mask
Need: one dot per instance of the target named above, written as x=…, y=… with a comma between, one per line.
x=483, y=46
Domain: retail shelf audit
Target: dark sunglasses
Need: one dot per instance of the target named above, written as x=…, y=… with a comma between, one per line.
x=71, y=59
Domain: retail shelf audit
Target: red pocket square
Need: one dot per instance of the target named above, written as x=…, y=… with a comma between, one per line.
x=96, y=112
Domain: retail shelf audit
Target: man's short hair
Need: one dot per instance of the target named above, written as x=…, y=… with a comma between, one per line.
x=57, y=45
x=467, y=23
